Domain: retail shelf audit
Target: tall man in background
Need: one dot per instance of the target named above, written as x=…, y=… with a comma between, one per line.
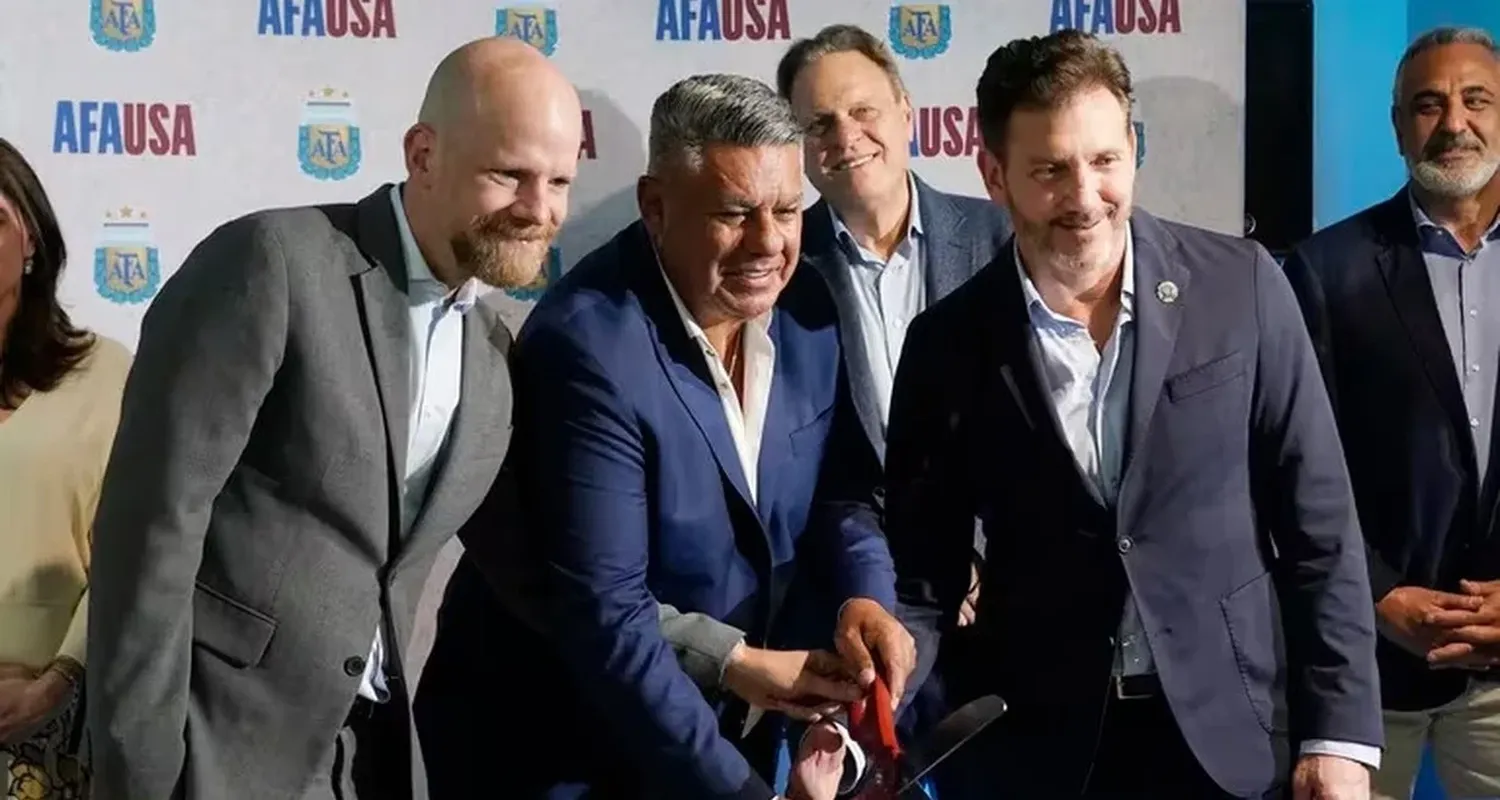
x=888, y=244
x=317, y=404
x=1403, y=303
x=1175, y=596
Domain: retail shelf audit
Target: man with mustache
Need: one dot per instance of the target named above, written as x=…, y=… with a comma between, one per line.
x=1175, y=599
x=685, y=447
x=1403, y=303
x=318, y=402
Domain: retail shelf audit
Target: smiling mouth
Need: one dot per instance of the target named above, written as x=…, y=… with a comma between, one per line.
x=853, y=163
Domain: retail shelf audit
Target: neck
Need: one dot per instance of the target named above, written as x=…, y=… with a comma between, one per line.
x=1467, y=218
x=725, y=338
x=432, y=243
x=10, y=302
x=881, y=225
x=1089, y=295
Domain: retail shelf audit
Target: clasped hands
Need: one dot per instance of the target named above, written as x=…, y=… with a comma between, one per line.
x=812, y=684
x=1451, y=630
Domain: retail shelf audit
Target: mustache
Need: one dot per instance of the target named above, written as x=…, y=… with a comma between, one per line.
x=1444, y=142
x=506, y=226
x=1082, y=219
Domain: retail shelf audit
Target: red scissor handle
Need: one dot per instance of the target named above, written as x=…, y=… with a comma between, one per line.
x=872, y=723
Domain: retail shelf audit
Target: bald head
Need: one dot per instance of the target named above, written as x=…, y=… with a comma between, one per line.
x=490, y=160
x=491, y=76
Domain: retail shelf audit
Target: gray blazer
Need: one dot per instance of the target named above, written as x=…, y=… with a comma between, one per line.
x=963, y=235
x=247, y=539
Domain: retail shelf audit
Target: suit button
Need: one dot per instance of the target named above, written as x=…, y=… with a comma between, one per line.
x=1124, y=544
x=354, y=665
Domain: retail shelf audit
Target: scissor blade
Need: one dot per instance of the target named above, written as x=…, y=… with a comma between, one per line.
x=947, y=736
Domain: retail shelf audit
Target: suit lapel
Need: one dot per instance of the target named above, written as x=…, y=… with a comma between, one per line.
x=1156, y=326
x=479, y=423
x=821, y=252
x=1021, y=371
x=381, y=292
x=684, y=363
x=950, y=258
x=776, y=436
x=1406, y=281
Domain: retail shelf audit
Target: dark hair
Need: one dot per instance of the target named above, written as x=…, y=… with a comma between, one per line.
x=1043, y=72
x=835, y=39
x=41, y=345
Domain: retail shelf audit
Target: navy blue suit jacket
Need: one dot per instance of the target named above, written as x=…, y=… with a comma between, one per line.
x=1234, y=528
x=637, y=495
x=1427, y=519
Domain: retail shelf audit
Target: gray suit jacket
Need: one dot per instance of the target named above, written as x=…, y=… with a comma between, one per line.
x=248, y=538
x=962, y=233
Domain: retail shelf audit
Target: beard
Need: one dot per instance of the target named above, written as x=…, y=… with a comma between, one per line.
x=1053, y=239
x=502, y=252
x=1456, y=180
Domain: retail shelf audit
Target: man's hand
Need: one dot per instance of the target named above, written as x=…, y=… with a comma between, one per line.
x=868, y=633
x=819, y=765
x=1404, y=612
x=803, y=684
x=967, y=611
x=1468, y=638
x=1324, y=777
x=28, y=702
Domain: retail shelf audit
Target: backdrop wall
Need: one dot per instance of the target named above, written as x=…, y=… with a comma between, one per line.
x=153, y=121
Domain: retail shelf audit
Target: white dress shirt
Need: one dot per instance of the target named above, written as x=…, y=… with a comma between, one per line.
x=1090, y=392
x=747, y=416
x=888, y=293
x=436, y=358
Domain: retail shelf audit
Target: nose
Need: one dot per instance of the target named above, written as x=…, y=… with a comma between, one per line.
x=1455, y=119
x=530, y=203
x=845, y=133
x=764, y=236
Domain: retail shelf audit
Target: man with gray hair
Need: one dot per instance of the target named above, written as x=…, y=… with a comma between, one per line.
x=686, y=445
x=1403, y=303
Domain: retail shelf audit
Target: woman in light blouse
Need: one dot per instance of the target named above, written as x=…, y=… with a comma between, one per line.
x=60, y=393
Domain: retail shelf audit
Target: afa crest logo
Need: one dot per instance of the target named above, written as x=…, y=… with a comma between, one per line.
x=328, y=145
x=921, y=31
x=551, y=271
x=1140, y=143
x=124, y=26
x=127, y=269
x=534, y=25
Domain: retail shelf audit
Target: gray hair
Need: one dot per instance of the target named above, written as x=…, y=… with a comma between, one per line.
x=724, y=109
x=1439, y=37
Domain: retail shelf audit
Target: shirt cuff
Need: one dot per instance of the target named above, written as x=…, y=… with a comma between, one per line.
x=1363, y=753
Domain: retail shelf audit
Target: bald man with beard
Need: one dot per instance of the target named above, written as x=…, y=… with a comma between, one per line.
x=318, y=403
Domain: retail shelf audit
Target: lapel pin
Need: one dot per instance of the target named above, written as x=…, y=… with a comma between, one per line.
x=1166, y=291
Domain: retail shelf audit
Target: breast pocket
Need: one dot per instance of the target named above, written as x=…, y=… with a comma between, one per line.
x=1195, y=381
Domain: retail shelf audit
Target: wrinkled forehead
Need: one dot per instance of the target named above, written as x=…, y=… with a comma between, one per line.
x=1451, y=69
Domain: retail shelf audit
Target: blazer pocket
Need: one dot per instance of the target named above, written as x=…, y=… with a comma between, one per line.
x=230, y=629
x=808, y=439
x=1250, y=616
x=1203, y=377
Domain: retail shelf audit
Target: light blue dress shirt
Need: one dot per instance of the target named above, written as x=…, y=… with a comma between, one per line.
x=1466, y=289
x=888, y=293
x=437, y=361
x=1090, y=392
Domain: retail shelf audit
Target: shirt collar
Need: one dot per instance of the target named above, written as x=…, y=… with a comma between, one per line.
x=914, y=229
x=1036, y=305
x=421, y=284
x=1434, y=238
